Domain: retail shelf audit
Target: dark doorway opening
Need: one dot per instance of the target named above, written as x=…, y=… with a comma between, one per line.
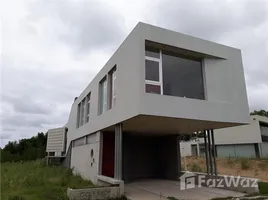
x=108, y=154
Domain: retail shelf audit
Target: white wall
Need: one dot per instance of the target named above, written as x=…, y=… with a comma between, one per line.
x=81, y=160
x=186, y=147
x=239, y=134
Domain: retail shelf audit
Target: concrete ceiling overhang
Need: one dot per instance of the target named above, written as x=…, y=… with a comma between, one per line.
x=145, y=124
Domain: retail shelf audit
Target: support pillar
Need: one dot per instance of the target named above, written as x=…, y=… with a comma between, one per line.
x=210, y=153
x=214, y=152
x=206, y=151
x=118, y=152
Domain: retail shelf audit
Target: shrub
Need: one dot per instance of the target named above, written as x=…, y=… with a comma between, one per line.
x=196, y=168
x=245, y=164
x=16, y=198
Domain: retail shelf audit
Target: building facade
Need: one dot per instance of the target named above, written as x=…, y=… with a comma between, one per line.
x=250, y=141
x=158, y=84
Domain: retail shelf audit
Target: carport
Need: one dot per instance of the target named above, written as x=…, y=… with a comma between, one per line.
x=150, y=156
x=148, y=147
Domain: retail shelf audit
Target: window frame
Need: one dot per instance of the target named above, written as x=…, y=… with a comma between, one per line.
x=159, y=61
x=111, y=88
x=160, y=82
x=103, y=95
x=87, y=113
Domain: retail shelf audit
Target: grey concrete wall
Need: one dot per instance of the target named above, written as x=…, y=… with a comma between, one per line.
x=127, y=59
x=226, y=99
x=236, y=150
x=240, y=134
x=264, y=149
x=83, y=163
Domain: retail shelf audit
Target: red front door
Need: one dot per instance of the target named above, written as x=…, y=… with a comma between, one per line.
x=108, y=154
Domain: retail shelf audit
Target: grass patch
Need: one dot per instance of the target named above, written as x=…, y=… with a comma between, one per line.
x=263, y=187
x=33, y=180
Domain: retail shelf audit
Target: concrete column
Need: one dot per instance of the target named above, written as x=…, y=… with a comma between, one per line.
x=118, y=152
x=214, y=153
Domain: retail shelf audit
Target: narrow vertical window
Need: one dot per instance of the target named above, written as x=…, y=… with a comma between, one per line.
x=78, y=115
x=82, y=114
x=103, y=95
x=112, y=87
x=87, y=107
x=153, y=71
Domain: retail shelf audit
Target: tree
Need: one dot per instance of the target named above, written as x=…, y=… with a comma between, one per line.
x=25, y=149
x=260, y=112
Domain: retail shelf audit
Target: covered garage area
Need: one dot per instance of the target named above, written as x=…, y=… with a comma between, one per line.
x=150, y=156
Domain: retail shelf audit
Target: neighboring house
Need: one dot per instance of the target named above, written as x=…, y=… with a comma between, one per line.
x=244, y=141
x=240, y=141
x=158, y=84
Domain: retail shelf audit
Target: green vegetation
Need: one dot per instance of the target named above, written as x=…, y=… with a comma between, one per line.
x=245, y=164
x=263, y=187
x=25, y=149
x=260, y=112
x=33, y=180
x=172, y=198
x=196, y=168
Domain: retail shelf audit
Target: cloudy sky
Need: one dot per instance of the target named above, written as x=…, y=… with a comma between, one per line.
x=51, y=49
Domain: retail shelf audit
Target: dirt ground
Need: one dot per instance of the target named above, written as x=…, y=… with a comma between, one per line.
x=254, y=168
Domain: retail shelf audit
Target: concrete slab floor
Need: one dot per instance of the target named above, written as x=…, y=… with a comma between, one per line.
x=150, y=189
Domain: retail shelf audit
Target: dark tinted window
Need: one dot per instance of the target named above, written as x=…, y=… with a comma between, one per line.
x=152, y=89
x=152, y=52
x=182, y=77
x=151, y=70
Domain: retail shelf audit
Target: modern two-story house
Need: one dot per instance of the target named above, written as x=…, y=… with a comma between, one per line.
x=157, y=85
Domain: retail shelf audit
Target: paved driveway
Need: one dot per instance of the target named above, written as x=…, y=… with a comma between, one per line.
x=159, y=189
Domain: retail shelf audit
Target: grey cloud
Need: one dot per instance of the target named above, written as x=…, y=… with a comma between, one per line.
x=241, y=24
x=26, y=105
x=210, y=20
x=87, y=25
x=5, y=136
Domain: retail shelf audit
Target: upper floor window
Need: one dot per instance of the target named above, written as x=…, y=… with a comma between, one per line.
x=169, y=72
x=103, y=95
x=153, y=71
x=78, y=115
x=112, y=87
x=83, y=111
x=87, y=107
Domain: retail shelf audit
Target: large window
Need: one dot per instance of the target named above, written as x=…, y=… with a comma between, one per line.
x=174, y=74
x=103, y=95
